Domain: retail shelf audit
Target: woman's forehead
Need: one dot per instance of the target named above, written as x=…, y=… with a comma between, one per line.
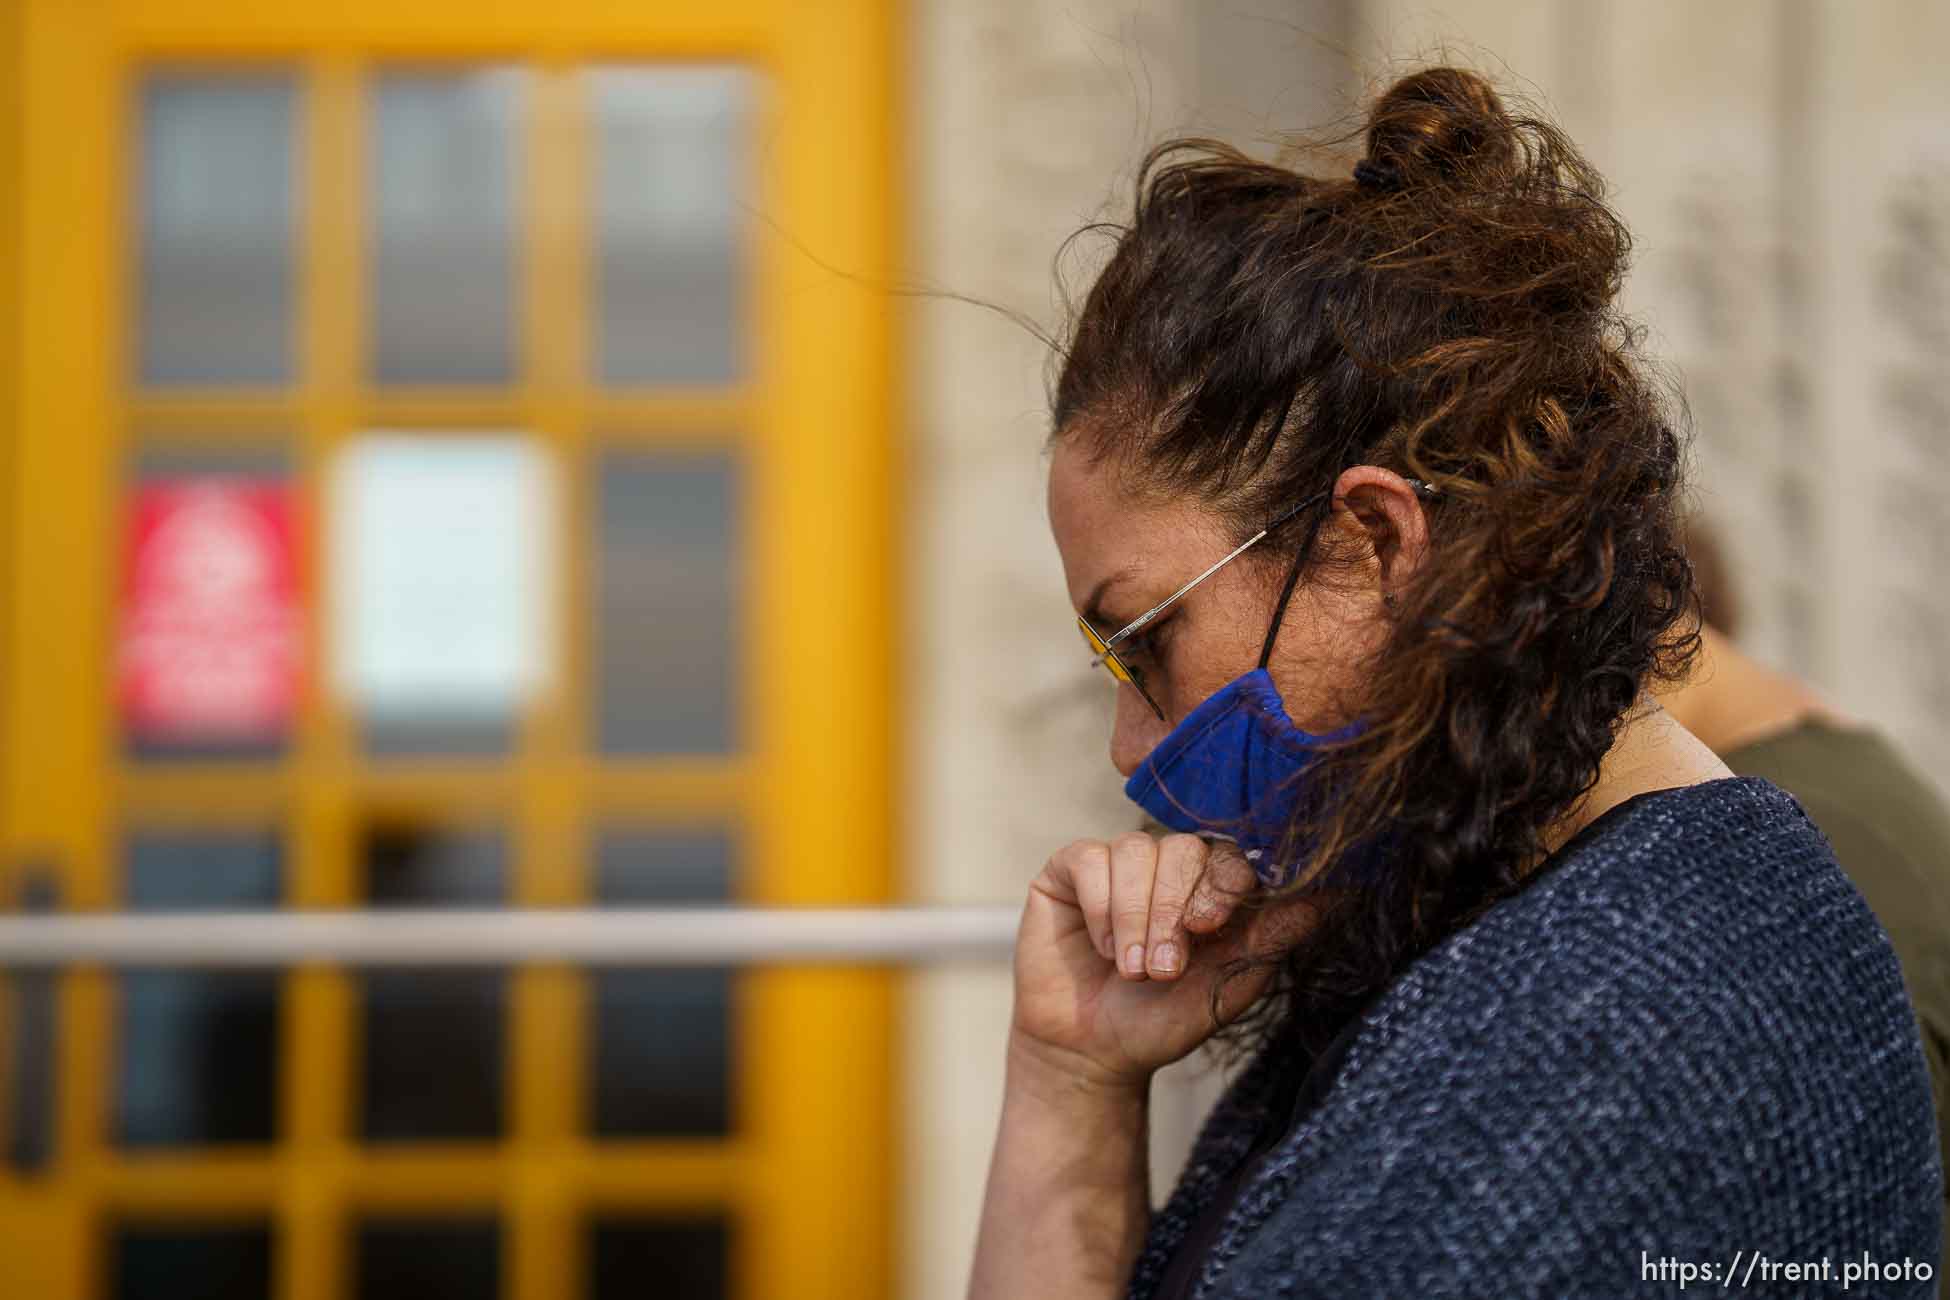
x=1111, y=540
x=1085, y=499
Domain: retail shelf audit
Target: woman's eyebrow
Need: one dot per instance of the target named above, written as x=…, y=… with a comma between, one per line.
x=1093, y=608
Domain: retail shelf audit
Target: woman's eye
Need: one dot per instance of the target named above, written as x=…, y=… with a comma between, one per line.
x=1141, y=646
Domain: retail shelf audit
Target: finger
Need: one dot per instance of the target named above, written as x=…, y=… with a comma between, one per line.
x=1181, y=864
x=1081, y=871
x=1226, y=881
x=1090, y=875
x=1133, y=865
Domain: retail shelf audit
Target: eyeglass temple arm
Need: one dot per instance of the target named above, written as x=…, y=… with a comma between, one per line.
x=1422, y=488
x=1168, y=601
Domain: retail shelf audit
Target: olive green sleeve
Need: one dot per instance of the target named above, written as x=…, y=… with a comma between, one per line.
x=1891, y=833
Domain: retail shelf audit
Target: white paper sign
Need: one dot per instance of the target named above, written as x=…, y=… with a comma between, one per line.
x=441, y=568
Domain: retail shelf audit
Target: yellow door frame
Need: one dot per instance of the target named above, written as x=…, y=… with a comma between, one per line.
x=809, y=1175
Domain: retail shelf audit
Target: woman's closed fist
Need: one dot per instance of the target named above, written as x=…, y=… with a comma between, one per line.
x=1121, y=944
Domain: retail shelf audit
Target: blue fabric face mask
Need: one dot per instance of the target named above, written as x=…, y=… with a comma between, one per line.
x=1233, y=768
x=1236, y=767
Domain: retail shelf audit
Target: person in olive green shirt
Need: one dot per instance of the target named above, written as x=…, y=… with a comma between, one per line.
x=1889, y=828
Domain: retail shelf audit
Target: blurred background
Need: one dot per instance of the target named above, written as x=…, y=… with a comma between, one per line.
x=526, y=455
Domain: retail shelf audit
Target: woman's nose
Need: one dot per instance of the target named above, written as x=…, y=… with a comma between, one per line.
x=1135, y=732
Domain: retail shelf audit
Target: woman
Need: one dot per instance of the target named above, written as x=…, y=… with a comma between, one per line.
x=1365, y=499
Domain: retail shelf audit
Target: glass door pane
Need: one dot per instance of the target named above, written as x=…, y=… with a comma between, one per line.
x=444, y=148
x=434, y=1041
x=671, y=203
x=198, y=1050
x=167, y=1261
x=662, y=1039
x=668, y=591
x=217, y=224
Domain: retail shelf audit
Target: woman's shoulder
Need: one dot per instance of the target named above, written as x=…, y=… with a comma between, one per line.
x=1704, y=921
x=1692, y=829
x=1649, y=872
x=1697, y=973
x=1721, y=893
x=1689, y=1028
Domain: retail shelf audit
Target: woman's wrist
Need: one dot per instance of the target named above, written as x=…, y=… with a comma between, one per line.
x=1065, y=1079
x=1069, y=1196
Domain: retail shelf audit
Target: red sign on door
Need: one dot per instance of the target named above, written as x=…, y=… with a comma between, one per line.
x=212, y=625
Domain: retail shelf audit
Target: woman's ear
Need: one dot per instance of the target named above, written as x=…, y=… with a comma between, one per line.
x=1388, y=510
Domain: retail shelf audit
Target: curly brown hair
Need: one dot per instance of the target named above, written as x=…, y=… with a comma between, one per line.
x=1449, y=313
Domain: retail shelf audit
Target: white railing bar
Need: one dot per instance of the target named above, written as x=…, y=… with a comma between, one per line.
x=675, y=936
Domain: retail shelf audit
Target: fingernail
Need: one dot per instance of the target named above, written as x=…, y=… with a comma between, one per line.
x=1164, y=958
x=1134, y=959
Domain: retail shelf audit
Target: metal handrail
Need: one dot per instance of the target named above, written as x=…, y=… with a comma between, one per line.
x=673, y=936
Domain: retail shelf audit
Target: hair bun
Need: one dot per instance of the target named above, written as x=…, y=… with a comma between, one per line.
x=1440, y=124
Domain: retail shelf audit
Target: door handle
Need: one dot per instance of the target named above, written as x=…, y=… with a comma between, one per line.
x=29, y=1061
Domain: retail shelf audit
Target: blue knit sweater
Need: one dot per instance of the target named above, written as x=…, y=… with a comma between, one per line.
x=1685, y=1043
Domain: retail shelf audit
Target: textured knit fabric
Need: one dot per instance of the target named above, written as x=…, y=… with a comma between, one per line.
x=1685, y=1039
x=1282, y=1114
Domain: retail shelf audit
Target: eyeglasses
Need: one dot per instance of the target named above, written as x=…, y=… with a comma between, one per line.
x=1104, y=648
